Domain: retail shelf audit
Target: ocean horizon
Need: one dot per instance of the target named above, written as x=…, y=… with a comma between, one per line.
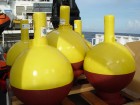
x=90, y=35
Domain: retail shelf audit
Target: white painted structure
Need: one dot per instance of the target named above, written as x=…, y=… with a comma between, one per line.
x=21, y=9
x=119, y=38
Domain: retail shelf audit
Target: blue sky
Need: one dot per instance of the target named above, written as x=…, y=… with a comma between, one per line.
x=126, y=12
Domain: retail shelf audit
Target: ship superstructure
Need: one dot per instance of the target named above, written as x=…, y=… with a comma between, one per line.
x=23, y=9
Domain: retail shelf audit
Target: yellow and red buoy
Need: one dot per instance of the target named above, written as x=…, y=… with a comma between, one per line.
x=20, y=46
x=41, y=75
x=69, y=42
x=109, y=66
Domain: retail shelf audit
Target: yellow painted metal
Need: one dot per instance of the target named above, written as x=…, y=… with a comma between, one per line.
x=78, y=29
x=109, y=57
x=64, y=15
x=69, y=42
x=40, y=67
x=109, y=28
x=16, y=21
x=88, y=44
x=20, y=46
x=40, y=30
x=78, y=26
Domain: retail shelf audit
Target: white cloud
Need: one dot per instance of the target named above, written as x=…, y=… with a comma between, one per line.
x=134, y=26
x=134, y=23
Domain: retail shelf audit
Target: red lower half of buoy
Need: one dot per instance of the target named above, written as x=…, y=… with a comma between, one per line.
x=77, y=68
x=42, y=97
x=108, y=87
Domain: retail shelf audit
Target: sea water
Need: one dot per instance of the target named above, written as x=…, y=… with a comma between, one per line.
x=90, y=35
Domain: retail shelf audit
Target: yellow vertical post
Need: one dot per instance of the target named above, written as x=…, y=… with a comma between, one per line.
x=109, y=28
x=24, y=26
x=40, y=32
x=78, y=26
x=64, y=15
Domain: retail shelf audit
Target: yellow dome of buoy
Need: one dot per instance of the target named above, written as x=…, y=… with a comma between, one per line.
x=109, y=57
x=41, y=70
x=69, y=42
x=20, y=46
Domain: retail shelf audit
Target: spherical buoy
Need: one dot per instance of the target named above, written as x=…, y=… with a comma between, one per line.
x=41, y=75
x=109, y=66
x=69, y=42
x=20, y=46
